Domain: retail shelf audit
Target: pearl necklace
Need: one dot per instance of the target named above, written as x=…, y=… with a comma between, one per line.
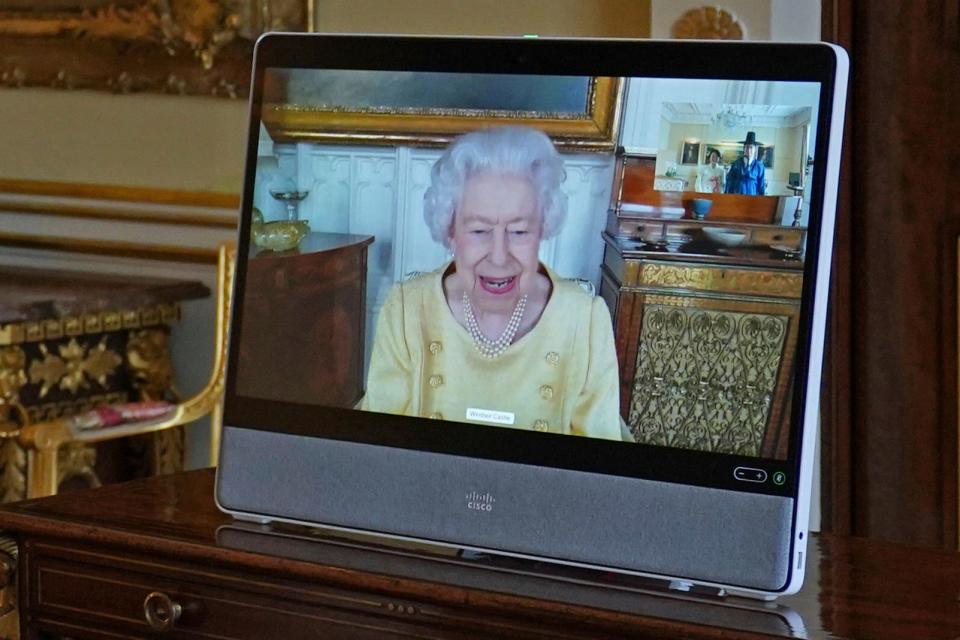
x=493, y=348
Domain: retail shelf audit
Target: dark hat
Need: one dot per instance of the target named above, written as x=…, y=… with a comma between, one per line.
x=751, y=139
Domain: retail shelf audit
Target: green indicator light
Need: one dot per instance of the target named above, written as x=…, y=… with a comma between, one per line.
x=530, y=35
x=779, y=478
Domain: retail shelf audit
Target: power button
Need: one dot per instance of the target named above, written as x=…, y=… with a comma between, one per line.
x=749, y=474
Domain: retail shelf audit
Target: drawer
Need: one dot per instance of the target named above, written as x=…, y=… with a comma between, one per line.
x=87, y=593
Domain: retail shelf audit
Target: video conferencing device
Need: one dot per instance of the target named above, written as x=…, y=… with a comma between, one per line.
x=553, y=299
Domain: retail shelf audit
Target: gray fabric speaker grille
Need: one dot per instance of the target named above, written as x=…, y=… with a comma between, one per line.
x=705, y=534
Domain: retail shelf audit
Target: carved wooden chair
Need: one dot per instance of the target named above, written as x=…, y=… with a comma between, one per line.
x=46, y=443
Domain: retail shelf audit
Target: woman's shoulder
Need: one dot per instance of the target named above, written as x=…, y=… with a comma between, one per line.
x=574, y=298
x=574, y=290
x=417, y=284
x=577, y=298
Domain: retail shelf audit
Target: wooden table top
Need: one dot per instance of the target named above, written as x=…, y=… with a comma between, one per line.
x=855, y=588
x=29, y=293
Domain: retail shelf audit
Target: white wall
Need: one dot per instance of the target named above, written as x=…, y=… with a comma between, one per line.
x=156, y=141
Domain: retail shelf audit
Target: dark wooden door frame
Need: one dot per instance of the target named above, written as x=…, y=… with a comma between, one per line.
x=835, y=452
x=889, y=419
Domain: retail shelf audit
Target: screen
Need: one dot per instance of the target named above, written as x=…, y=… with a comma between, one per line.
x=616, y=259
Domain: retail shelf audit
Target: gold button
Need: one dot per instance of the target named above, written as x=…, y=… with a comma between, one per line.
x=435, y=347
x=553, y=358
x=435, y=381
x=436, y=416
x=540, y=425
x=546, y=392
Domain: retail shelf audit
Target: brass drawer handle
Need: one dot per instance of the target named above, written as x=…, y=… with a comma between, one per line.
x=160, y=611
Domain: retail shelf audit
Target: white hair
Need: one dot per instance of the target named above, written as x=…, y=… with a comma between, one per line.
x=510, y=150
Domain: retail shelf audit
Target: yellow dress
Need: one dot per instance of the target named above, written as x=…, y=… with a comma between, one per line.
x=560, y=377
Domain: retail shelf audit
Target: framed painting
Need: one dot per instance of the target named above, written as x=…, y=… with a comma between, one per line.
x=190, y=47
x=690, y=153
x=730, y=152
x=430, y=109
x=767, y=156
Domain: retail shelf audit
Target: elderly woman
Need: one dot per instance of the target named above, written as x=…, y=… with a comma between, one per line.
x=495, y=337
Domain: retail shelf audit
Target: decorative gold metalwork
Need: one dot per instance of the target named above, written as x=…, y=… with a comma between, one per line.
x=13, y=477
x=44, y=440
x=148, y=363
x=9, y=615
x=90, y=323
x=707, y=23
x=167, y=451
x=74, y=367
x=13, y=417
x=47, y=372
x=593, y=131
x=77, y=460
x=13, y=361
x=705, y=379
x=716, y=279
x=51, y=410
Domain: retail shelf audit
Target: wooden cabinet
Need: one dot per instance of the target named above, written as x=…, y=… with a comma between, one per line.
x=154, y=558
x=76, y=590
x=302, y=322
x=705, y=345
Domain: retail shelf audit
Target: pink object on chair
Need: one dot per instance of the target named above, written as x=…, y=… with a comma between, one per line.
x=113, y=415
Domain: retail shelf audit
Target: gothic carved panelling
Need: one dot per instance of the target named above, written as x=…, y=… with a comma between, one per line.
x=705, y=379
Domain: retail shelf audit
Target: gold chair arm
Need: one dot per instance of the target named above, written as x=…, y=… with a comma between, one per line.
x=43, y=440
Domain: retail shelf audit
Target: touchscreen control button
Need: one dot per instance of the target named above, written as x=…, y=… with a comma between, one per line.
x=436, y=416
x=546, y=392
x=749, y=474
x=553, y=358
x=540, y=425
x=435, y=381
x=436, y=347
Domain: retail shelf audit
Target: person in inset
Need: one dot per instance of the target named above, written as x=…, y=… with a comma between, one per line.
x=711, y=178
x=747, y=175
x=494, y=336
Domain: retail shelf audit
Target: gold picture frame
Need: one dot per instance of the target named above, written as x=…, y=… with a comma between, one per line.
x=592, y=129
x=186, y=47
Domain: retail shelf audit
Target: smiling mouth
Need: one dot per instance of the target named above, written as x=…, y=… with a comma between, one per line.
x=498, y=286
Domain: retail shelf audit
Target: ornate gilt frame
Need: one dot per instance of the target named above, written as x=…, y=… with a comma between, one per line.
x=596, y=130
x=194, y=47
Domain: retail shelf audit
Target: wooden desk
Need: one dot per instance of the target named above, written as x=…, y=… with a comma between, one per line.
x=87, y=566
x=73, y=340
